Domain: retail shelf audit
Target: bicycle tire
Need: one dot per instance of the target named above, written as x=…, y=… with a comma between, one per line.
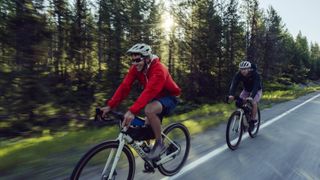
x=255, y=131
x=163, y=169
x=239, y=131
x=77, y=172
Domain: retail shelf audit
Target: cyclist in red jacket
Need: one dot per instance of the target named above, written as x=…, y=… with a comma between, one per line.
x=158, y=96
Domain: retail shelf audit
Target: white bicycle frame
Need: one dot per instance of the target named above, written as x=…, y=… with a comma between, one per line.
x=242, y=118
x=123, y=138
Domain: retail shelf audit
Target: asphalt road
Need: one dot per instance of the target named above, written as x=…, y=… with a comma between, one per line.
x=286, y=148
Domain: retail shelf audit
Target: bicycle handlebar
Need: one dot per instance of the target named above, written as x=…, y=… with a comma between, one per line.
x=237, y=99
x=117, y=118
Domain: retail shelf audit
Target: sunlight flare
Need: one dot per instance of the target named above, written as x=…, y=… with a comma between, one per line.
x=167, y=22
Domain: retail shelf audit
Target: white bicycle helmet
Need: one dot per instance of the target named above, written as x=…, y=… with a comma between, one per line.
x=141, y=48
x=244, y=65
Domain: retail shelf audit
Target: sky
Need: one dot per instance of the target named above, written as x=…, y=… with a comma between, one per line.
x=298, y=15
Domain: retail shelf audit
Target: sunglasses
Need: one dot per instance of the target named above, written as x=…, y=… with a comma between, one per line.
x=137, y=60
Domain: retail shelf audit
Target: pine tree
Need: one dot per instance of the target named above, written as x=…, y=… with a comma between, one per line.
x=273, y=39
x=253, y=16
x=61, y=19
x=29, y=38
x=233, y=41
x=200, y=46
x=7, y=9
x=315, y=61
x=301, y=63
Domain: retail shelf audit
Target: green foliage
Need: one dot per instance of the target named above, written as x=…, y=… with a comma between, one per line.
x=201, y=48
x=272, y=46
x=314, y=62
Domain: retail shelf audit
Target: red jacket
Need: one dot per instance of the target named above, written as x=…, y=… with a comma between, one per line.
x=157, y=83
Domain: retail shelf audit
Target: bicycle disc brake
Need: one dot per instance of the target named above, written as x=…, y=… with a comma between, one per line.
x=172, y=148
x=105, y=177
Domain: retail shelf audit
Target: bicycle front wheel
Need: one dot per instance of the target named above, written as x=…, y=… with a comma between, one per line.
x=234, y=130
x=177, y=141
x=98, y=161
x=256, y=127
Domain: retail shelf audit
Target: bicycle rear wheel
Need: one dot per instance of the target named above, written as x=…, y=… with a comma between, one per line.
x=92, y=164
x=255, y=130
x=177, y=141
x=234, y=130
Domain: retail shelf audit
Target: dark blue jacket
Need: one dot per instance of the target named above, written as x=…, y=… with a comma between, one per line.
x=251, y=83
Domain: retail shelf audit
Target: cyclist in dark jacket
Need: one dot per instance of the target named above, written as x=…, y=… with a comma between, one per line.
x=252, y=87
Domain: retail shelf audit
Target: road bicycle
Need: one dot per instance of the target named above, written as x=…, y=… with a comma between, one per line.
x=115, y=159
x=238, y=122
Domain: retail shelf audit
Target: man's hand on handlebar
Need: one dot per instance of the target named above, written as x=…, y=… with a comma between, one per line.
x=128, y=117
x=104, y=111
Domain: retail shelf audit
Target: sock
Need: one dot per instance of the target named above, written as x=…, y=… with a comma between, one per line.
x=158, y=141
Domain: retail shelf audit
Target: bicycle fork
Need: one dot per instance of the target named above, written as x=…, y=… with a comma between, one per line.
x=116, y=158
x=234, y=122
x=243, y=119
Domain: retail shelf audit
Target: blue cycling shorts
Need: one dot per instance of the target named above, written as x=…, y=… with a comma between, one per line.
x=168, y=104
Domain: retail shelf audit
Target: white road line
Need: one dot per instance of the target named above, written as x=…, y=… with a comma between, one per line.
x=220, y=149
